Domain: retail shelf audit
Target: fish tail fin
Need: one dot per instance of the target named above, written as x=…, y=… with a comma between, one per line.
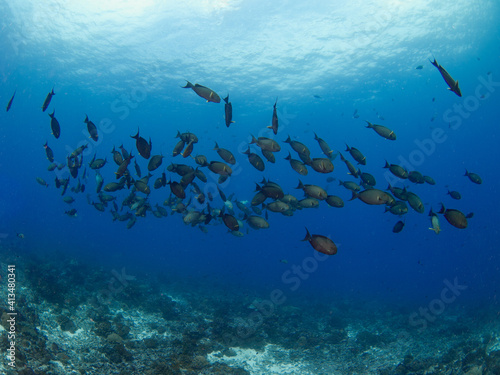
x=289, y=157
x=226, y=99
x=347, y=148
x=435, y=63
x=466, y=173
x=136, y=136
x=354, y=196
x=188, y=85
x=442, y=210
x=308, y=235
x=370, y=125
x=300, y=186
x=387, y=165
x=254, y=140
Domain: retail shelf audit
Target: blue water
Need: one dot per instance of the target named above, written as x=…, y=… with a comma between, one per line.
x=124, y=66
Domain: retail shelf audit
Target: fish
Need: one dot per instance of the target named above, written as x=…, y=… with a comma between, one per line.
x=68, y=199
x=313, y=191
x=188, y=150
x=452, y=84
x=397, y=170
x=142, y=145
x=298, y=147
x=123, y=167
x=125, y=153
x=54, y=125
x=416, y=177
x=9, y=104
x=155, y=162
x=356, y=155
x=42, y=182
x=230, y=221
x=228, y=111
x=178, y=148
x=187, y=137
x=297, y=165
x=208, y=94
x=415, y=202
x=321, y=165
x=334, y=201
x=454, y=194
x=420, y=67
x=434, y=222
x=382, y=131
x=226, y=155
x=48, y=152
x=256, y=222
x=220, y=168
x=355, y=114
x=71, y=213
x=274, y=121
x=177, y=189
x=99, y=181
x=321, y=243
x=117, y=157
x=429, y=180
x=367, y=178
x=92, y=129
x=324, y=146
x=352, y=169
x=454, y=217
x=255, y=160
x=398, y=227
x=474, y=177
x=137, y=169
x=266, y=144
x=47, y=100
x=373, y=197
x=201, y=160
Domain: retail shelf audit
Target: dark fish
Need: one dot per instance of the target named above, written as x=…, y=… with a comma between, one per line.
x=228, y=111
x=270, y=190
x=160, y=181
x=137, y=169
x=321, y=243
x=373, y=197
x=188, y=150
x=117, y=157
x=187, y=137
x=454, y=217
x=255, y=160
x=155, y=162
x=48, y=98
x=226, y=155
x=142, y=146
x=355, y=114
x=453, y=85
x=178, y=148
x=200, y=175
x=125, y=153
x=420, y=67
x=321, y=165
x=398, y=192
x=266, y=144
x=350, y=185
x=298, y=147
x=454, y=194
x=42, y=182
x=415, y=202
x=398, y=227
x=297, y=165
x=256, y=222
x=9, y=104
x=473, y=177
x=367, y=178
x=208, y=94
x=356, y=155
x=277, y=206
x=71, y=213
x=177, y=189
x=97, y=163
x=48, y=152
x=77, y=151
x=274, y=122
x=201, y=160
x=91, y=128
x=230, y=221
x=99, y=181
x=142, y=187
x=382, y=131
x=220, y=168
x=313, y=191
x=397, y=170
x=352, y=169
x=334, y=201
x=324, y=146
x=268, y=155
x=398, y=208
x=416, y=177
x=429, y=180
x=123, y=167
x=54, y=125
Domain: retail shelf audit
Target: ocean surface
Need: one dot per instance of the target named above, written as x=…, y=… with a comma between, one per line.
x=165, y=297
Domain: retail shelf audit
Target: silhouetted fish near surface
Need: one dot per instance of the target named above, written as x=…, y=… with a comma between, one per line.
x=228, y=111
x=54, y=125
x=9, y=104
x=48, y=98
x=91, y=128
x=420, y=67
x=208, y=94
x=453, y=85
x=142, y=145
x=274, y=122
x=321, y=243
